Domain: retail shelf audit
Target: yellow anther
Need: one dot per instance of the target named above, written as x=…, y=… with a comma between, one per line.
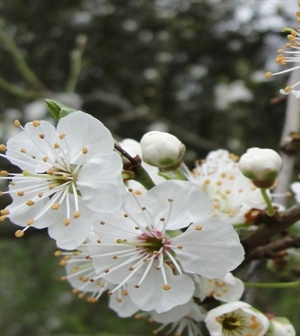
x=198, y=227
x=55, y=206
x=207, y=181
x=50, y=172
x=66, y=222
x=57, y=253
x=166, y=287
x=268, y=75
x=40, y=194
x=17, y=123
x=63, y=278
x=30, y=203
x=41, y=136
x=84, y=150
x=124, y=292
x=30, y=222
x=3, y=148
x=45, y=158
x=287, y=89
x=3, y=173
x=52, y=186
x=36, y=123
x=19, y=233
x=77, y=214
x=62, y=135
x=4, y=212
x=23, y=150
x=20, y=193
x=56, y=145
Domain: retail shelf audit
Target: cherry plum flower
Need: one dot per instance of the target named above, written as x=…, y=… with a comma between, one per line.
x=68, y=173
x=232, y=194
x=236, y=318
x=144, y=248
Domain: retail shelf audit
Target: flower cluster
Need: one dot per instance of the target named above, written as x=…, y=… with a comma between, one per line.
x=160, y=241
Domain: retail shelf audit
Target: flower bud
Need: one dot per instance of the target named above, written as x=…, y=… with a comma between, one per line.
x=261, y=165
x=162, y=150
x=280, y=326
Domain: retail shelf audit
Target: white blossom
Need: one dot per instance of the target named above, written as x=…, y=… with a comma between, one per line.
x=226, y=289
x=144, y=248
x=235, y=319
x=232, y=194
x=68, y=173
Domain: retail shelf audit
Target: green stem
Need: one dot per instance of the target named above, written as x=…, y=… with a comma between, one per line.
x=142, y=176
x=179, y=175
x=270, y=210
x=293, y=284
x=24, y=69
x=18, y=91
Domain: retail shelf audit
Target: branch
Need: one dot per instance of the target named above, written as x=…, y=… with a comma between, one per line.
x=272, y=225
x=23, y=67
x=274, y=249
x=76, y=63
x=18, y=91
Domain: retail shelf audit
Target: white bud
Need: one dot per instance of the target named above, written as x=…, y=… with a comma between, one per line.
x=261, y=165
x=280, y=326
x=162, y=150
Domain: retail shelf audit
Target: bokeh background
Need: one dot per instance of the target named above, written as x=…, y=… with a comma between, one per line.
x=192, y=68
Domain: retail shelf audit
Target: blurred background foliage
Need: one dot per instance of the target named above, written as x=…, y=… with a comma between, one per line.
x=193, y=68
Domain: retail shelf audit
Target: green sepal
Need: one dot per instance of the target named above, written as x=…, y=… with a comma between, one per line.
x=58, y=110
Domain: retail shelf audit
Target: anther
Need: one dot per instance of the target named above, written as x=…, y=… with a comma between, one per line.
x=268, y=75
x=170, y=200
x=62, y=135
x=4, y=212
x=20, y=193
x=30, y=222
x=17, y=123
x=102, y=222
x=55, y=206
x=30, y=203
x=41, y=136
x=66, y=222
x=36, y=123
x=23, y=150
x=166, y=287
x=19, y=233
x=57, y=253
x=84, y=150
x=3, y=148
x=162, y=219
x=198, y=227
x=3, y=173
x=56, y=145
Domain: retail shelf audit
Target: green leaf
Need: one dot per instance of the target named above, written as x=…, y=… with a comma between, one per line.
x=58, y=110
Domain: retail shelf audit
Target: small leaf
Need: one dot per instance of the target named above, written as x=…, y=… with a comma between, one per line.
x=58, y=110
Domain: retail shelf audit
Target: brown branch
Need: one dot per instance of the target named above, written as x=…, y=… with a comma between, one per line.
x=274, y=249
x=272, y=225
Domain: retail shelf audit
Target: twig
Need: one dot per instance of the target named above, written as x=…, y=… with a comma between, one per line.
x=272, y=226
x=76, y=63
x=18, y=91
x=22, y=66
